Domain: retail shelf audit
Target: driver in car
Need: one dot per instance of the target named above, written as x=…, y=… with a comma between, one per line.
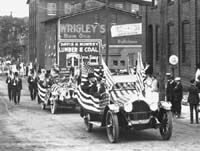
x=89, y=83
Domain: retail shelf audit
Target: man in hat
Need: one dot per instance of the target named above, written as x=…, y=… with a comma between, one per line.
x=8, y=81
x=178, y=95
x=170, y=91
x=17, y=87
x=32, y=84
x=91, y=80
x=98, y=88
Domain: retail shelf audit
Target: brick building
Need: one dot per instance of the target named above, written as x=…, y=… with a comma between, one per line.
x=89, y=26
x=182, y=35
x=41, y=10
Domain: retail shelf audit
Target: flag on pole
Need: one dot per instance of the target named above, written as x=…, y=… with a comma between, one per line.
x=109, y=79
x=86, y=69
x=140, y=74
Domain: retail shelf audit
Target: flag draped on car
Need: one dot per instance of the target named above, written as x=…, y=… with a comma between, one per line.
x=42, y=92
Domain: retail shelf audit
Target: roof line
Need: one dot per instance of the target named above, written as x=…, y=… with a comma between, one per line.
x=88, y=10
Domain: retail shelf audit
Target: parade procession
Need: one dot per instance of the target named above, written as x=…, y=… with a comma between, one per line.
x=99, y=75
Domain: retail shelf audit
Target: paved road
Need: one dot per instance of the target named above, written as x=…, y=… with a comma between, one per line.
x=25, y=127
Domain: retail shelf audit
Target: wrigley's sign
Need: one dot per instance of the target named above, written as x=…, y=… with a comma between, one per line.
x=76, y=31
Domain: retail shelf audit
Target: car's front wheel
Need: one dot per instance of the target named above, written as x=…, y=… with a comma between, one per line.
x=112, y=126
x=54, y=107
x=43, y=105
x=88, y=126
x=166, y=125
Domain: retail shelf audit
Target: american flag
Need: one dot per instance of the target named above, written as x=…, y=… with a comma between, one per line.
x=140, y=74
x=109, y=79
x=86, y=69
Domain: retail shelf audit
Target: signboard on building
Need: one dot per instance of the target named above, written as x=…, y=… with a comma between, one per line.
x=81, y=47
x=72, y=52
x=126, y=30
x=142, y=2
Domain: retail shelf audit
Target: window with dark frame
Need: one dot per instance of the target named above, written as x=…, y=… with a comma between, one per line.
x=186, y=32
x=157, y=42
x=122, y=62
x=170, y=39
x=115, y=62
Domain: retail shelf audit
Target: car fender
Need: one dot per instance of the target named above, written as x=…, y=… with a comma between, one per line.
x=114, y=108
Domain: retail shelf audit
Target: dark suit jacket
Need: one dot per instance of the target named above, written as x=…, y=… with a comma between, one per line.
x=178, y=92
x=95, y=92
x=9, y=81
x=17, y=84
x=170, y=90
x=193, y=97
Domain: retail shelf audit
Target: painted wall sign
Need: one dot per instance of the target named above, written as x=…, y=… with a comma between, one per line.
x=75, y=31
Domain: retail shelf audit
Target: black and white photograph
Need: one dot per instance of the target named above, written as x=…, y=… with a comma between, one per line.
x=99, y=75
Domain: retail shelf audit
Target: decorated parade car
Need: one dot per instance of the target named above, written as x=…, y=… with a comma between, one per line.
x=58, y=94
x=123, y=106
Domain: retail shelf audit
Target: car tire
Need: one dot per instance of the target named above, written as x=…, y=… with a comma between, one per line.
x=53, y=107
x=166, y=125
x=88, y=126
x=112, y=127
x=43, y=105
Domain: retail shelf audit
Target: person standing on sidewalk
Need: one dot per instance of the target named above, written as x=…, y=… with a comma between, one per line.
x=170, y=92
x=193, y=100
x=178, y=95
x=17, y=87
x=8, y=81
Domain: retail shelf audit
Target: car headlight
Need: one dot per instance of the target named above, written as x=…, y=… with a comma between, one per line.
x=154, y=106
x=128, y=107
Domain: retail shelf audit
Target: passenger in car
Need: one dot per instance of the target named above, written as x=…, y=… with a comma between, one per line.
x=91, y=80
x=98, y=88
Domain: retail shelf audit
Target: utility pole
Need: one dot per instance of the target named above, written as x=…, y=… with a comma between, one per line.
x=163, y=36
x=107, y=31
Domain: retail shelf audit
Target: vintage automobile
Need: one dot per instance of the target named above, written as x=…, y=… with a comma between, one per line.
x=59, y=94
x=124, y=107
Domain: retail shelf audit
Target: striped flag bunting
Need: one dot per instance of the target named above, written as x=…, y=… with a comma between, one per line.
x=109, y=79
x=42, y=92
